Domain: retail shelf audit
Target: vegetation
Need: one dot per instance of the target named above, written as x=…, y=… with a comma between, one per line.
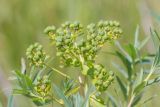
x=78, y=46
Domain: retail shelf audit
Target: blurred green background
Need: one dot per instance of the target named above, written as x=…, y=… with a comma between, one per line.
x=22, y=22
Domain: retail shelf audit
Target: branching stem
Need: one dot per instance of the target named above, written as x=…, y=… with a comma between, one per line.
x=61, y=73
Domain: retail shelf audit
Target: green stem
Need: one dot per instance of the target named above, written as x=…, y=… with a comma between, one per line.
x=61, y=73
x=149, y=75
x=58, y=101
x=130, y=101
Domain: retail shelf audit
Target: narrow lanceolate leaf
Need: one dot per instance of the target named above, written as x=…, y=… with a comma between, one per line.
x=20, y=92
x=87, y=97
x=132, y=51
x=137, y=99
x=72, y=91
x=152, y=81
x=113, y=100
x=126, y=62
x=61, y=95
x=143, y=60
x=143, y=43
x=78, y=100
x=120, y=69
x=24, y=81
x=122, y=86
x=149, y=99
x=123, y=51
x=156, y=62
x=139, y=88
x=155, y=38
x=139, y=77
x=136, y=42
x=10, y=101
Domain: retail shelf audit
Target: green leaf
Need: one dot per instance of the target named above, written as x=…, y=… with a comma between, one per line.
x=78, y=100
x=156, y=62
x=60, y=94
x=155, y=38
x=113, y=100
x=122, y=86
x=10, y=101
x=136, y=42
x=139, y=88
x=120, y=69
x=126, y=62
x=24, y=81
x=87, y=97
x=123, y=51
x=72, y=91
x=152, y=81
x=96, y=103
x=132, y=51
x=149, y=99
x=139, y=77
x=143, y=43
x=143, y=60
x=137, y=99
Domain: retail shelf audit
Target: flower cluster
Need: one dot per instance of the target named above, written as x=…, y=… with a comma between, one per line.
x=65, y=40
x=100, y=77
x=97, y=35
x=70, y=47
x=43, y=87
x=36, y=55
x=50, y=30
x=78, y=47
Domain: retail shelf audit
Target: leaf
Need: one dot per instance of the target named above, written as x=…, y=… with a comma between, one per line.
x=143, y=43
x=136, y=42
x=120, y=69
x=96, y=103
x=24, y=81
x=78, y=100
x=132, y=51
x=157, y=58
x=137, y=99
x=149, y=99
x=10, y=101
x=113, y=100
x=139, y=77
x=87, y=97
x=60, y=94
x=126, y=62
x=144, y=60
x=155, y=38
x=123, y=51
x=152, y=81
x=139, y=88
x=19, y=91
x=72, y=91
x=122, y=86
